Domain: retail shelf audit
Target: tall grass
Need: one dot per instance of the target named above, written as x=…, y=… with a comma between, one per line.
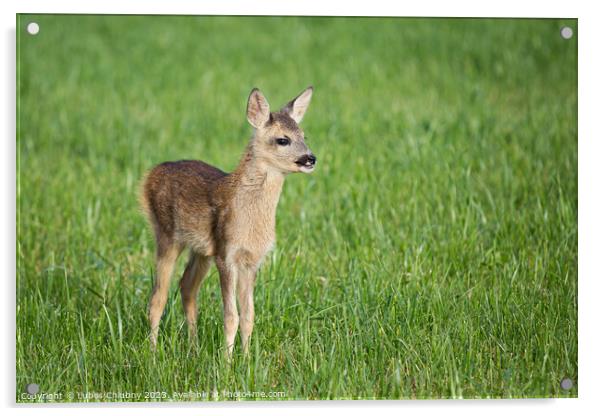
x=432, y=254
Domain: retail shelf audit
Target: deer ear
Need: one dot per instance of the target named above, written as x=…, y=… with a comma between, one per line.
x=298, y=106
x=258, y=109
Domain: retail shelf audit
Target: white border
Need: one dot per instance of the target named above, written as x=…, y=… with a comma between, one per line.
x=590, y=184
x=507, y=8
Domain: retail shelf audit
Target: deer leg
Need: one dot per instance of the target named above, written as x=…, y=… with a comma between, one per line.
x=195, y=273
x=246, y=283
x=166, y=259
x=228, y=275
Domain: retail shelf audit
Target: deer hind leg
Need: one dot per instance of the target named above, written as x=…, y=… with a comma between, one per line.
x=195, y=273
x=167, y=254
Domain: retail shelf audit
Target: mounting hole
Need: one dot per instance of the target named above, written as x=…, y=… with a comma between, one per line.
x=566, y=384
x=32, y=388
x=566, y=32
x=33, y=28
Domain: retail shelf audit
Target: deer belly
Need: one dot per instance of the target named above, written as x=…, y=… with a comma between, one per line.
x=197, y=235
x=201, y=243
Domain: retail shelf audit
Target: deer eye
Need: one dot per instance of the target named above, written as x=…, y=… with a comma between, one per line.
x=283, y=141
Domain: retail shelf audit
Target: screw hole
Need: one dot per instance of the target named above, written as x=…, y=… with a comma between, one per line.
x=566, y=32
x=33, y=28
x=566, y=384
x=32, y=388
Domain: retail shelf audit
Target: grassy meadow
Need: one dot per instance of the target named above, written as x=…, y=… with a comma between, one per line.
x=432, y=254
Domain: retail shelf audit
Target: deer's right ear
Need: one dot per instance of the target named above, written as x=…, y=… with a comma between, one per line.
x=258, y=109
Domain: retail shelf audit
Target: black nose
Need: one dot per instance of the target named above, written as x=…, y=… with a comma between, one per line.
x=311, y=159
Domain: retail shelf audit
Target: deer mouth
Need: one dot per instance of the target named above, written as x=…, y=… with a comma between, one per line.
x=306, y=167
x=306, y=163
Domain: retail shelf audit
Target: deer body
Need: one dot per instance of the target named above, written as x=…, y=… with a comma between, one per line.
x=230, y=218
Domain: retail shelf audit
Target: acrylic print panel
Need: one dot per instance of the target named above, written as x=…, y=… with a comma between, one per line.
x=431, y=252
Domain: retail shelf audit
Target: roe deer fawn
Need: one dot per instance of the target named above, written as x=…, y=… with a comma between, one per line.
x=226, y=217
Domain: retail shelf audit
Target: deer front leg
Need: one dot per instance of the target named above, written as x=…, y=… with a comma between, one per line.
x=228, y=274
x=246, y=283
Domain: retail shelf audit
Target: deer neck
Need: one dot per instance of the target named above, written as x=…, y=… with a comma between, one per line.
x=259, y=185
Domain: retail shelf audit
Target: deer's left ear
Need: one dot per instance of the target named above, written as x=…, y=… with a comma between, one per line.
x=298, y=106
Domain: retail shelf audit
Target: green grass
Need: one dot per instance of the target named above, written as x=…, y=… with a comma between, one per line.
x=433, y=253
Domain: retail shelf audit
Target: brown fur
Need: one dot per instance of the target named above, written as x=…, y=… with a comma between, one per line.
x=226, y=217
